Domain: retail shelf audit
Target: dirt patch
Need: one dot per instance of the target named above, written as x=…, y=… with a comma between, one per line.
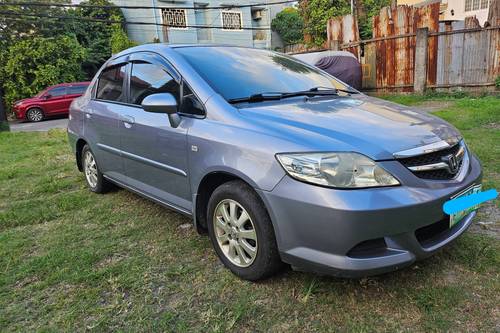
x=433, y=106
x=493, y=125
x=110, y=261
x=488, y=221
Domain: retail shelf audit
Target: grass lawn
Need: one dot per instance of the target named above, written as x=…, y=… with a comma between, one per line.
x=73, y=260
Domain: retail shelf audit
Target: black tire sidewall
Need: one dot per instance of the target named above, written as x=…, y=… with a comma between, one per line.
x=267, y=261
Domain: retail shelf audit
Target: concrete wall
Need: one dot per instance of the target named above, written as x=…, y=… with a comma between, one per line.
x=148, y=33
x=455, y=10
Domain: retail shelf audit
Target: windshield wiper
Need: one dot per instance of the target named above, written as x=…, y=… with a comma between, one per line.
x=272, y=96
x=316, y=91
x=347, y=91
x=257, y=98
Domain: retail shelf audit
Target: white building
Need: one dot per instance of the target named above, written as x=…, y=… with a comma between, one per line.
x=456, y=10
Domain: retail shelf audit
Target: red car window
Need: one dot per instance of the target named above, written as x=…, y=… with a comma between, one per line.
x=77, y=90
x=55, y=92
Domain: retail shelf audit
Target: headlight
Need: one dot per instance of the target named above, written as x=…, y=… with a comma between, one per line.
x=341, y=170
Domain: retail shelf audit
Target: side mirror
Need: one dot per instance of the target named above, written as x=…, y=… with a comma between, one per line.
x=162, y=103
x=48, y=96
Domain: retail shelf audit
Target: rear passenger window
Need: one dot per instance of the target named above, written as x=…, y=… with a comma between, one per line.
x=147, y=79
x=77, y=90
x=110, y=86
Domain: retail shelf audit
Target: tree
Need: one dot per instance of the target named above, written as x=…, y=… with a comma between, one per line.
x=14, y=29
x=289, y=25
x=119, y=40
x=34, y=64
x=316, y=13
x=369, y=9
x=96, y=36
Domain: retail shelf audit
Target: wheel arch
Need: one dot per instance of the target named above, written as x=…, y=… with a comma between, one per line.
x=80, y=143
x=204, y=190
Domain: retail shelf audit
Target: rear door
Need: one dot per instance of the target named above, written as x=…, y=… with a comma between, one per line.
x=102, y=118
x=53, y=100
x=155, y=154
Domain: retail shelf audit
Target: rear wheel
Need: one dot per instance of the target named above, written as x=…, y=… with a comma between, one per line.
x=241, y=232
x=95, y=180
x=34, y=114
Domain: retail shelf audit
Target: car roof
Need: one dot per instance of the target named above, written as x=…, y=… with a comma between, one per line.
x=84, y=83
x=162, y=47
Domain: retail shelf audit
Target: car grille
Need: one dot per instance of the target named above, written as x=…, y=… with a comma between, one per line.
x=434, y=165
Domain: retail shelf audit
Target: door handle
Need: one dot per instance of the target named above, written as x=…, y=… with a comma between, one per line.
x=128, y=119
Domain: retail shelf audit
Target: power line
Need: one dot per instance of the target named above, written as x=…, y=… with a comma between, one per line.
x=47, y=4
x=15, y=14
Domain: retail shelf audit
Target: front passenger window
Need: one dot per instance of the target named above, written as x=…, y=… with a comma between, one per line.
x=147, y=79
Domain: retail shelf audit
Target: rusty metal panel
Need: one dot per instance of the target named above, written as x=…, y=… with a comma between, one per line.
x=368, y=66
x=343, y=30
x=494, y=54
x=474, y=68
x=395, y=56
x=456, y=55
x=450, y=54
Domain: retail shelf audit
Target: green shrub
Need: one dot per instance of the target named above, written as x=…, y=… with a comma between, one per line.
x=289, y=25
x=34, y=64
x=497, y=82
x=119, y=40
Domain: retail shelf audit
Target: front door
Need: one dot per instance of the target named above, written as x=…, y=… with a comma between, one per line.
x=54, y=100
x=155, y=154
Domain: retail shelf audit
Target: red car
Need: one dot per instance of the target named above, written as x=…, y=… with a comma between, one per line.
x=52, y=101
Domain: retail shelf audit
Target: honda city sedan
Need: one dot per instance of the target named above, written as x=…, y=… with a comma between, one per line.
x=279, y=162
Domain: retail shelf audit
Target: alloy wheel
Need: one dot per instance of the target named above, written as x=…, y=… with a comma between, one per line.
x=235, y=233
x=35, y=115
x=90, y=168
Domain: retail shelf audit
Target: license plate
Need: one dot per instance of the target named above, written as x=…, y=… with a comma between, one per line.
x=455, y=218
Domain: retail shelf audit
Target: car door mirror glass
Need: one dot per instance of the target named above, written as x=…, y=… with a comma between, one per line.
x=160, y=103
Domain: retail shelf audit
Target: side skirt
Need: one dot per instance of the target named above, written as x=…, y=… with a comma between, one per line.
x=147, y=196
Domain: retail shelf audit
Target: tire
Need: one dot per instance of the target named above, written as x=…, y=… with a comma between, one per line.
x=93, y=176
x=227, y=237
x=35, y=115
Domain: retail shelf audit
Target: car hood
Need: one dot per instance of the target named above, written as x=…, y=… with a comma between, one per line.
x=29, y=99
x=360, y=123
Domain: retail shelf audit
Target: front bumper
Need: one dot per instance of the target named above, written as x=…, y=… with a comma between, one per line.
x=19, y=112
x=363, y=232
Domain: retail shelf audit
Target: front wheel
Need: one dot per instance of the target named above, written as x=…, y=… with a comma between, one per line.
x=34, y=115
x=241, y=232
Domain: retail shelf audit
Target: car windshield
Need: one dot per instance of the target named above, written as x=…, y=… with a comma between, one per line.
x=41, y=93
x=237, y=73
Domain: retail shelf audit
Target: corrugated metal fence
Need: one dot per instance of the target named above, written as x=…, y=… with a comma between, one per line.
x=459, y=54
x=468, y=55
